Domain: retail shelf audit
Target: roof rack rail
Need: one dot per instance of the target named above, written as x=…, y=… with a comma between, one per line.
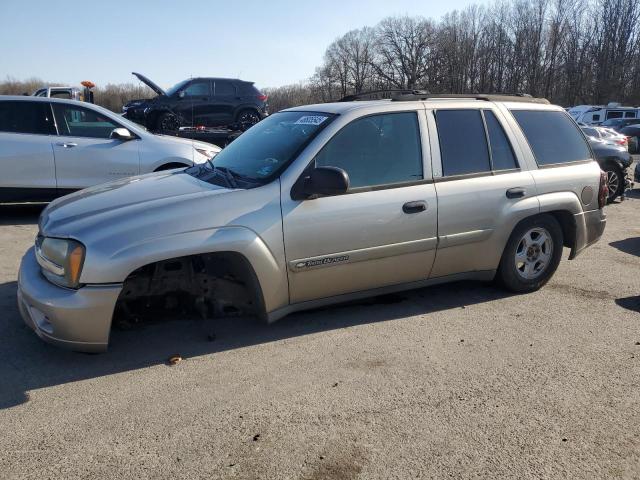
x=381, y=94
x=488, y=97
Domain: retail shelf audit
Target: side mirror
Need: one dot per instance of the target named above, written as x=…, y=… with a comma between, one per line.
x=181, y=94
x=121, y=134
x=325, y=181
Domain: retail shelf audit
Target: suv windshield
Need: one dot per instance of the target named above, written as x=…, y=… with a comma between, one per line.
x=266, y=148
x=176, y=87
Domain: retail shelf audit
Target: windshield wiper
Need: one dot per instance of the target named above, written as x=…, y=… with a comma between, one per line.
x=228, y=175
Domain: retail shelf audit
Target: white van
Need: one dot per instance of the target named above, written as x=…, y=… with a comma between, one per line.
x=596, y=114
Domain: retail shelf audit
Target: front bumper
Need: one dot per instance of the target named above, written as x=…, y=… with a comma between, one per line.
x=75, y=319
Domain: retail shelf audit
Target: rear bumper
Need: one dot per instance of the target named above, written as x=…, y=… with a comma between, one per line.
x=589, y=228
x=75, y=319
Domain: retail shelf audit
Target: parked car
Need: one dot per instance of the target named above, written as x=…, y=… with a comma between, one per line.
x=50, y=147
x=322, y=204
x=606, y=135
x=615, y=161
x=596, y=114
x=208, y=102
x=636, y=175
x=619, y=123
x=632, y=132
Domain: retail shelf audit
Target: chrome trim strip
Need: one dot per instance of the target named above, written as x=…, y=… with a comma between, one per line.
x=363, y=254
x=463, y=238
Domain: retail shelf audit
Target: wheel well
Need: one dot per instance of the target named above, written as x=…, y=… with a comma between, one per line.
x=244, y=109
x=210, y=285
x=568, y=224
x=170, y=165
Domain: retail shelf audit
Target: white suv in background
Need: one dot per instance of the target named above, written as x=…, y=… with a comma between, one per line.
x=51, y=147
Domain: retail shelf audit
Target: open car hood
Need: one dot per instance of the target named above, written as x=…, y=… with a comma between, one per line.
x=149, y=83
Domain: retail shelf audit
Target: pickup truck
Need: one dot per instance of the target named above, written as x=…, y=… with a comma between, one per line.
x=322, y=204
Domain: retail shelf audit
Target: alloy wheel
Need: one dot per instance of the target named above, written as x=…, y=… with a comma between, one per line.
x=533, y=253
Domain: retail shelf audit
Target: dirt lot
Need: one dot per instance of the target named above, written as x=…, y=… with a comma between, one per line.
x=459, y=381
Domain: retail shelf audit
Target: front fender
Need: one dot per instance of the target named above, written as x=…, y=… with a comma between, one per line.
x=270, y=274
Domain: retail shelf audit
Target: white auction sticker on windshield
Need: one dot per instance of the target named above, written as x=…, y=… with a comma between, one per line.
x=311, y=120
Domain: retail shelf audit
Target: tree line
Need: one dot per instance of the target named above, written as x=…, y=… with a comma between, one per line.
x=569, y=51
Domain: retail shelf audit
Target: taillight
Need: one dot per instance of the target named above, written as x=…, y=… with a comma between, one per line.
x=262, y=97
x=603, y=191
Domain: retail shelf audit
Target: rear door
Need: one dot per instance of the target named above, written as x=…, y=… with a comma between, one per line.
x=225, y=98
x=84, y=153
x=483, y=190
x=383, y=230
x=27, y=169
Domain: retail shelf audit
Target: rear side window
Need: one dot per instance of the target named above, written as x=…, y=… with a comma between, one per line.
x=245, y=88
x=26, y=117
x=629, y=114
x=463, y=142
x=553, y=136
x=224, y=88
x=376, y=150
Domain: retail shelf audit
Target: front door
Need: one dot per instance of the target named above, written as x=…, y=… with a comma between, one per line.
x=194, y=106
x=84, y=153
x=383, y=230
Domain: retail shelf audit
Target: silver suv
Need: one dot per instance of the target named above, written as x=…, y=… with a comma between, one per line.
x=320, y=204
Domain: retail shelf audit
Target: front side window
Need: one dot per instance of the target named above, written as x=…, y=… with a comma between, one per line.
x=614, y=114
x=268, y=147
x=553, y=136
x=82, y=122
x=199, y=88
x=463, y=142
x=376, y=150
x=26, y=117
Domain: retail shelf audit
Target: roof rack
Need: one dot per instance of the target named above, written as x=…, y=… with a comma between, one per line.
x=406, y=95
x=488, y=97
x=380, y=94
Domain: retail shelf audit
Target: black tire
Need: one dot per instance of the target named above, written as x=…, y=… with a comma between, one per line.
x=247, y=118
x=167, y=122
x=615, y=181
x=514, y=274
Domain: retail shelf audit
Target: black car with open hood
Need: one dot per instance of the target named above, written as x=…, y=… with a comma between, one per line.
x=198, y=102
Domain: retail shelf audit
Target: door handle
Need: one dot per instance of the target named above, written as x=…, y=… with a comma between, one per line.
x=414, y=207
x=517, y=192
x=67, y=144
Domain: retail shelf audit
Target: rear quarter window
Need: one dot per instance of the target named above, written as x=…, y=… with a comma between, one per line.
x=553, y=136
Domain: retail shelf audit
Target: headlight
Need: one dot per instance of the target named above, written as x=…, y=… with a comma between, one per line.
x=61, y=260
x=209, y=154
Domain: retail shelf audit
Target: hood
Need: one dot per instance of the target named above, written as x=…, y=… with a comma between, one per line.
x=149, y=83
x=188, y=141
x=132, y=198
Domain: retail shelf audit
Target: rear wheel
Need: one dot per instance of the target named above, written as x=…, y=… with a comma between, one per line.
x=247, y=118
x=532, y=254
x=615, y=181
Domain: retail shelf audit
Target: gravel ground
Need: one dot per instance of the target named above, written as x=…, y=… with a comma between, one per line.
x=461, y=381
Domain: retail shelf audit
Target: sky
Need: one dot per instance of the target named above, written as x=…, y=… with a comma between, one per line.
x=272, y=43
